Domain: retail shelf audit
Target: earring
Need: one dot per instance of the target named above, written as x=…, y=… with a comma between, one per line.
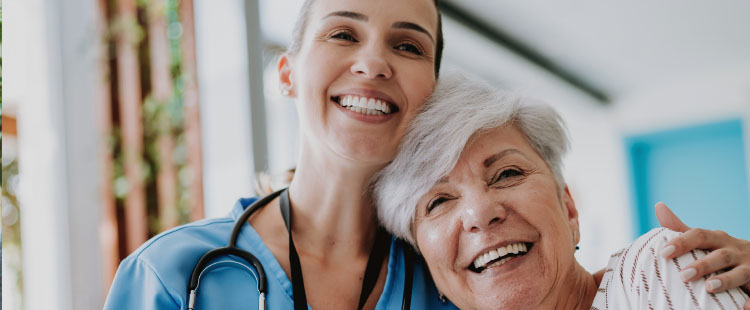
x=577, y=248
x=284, y=92
x=442, y=297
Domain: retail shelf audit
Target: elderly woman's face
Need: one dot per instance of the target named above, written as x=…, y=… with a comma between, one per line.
x=497, y=232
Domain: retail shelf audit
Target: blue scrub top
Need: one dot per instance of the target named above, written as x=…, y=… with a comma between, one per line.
x=156, y=275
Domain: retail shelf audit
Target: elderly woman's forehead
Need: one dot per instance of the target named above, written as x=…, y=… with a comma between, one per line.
x=504, y=137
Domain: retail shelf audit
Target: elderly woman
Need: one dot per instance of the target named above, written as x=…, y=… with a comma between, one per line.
x=489, y=210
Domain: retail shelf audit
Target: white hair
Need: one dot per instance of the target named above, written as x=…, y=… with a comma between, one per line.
x=457, y=110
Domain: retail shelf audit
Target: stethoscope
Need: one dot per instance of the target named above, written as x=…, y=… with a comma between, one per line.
x=298, y=288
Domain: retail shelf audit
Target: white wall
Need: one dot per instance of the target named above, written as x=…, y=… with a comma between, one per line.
x=695, y=97
x=53, y=48
x=224, y=96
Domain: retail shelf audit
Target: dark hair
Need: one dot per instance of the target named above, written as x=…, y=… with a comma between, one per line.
x=304, y=13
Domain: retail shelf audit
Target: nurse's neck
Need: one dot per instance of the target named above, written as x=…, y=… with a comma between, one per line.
x=332, y=211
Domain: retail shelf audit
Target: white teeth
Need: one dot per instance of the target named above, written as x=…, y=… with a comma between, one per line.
x=500, y=262
x=491, y=255
x=364, y=105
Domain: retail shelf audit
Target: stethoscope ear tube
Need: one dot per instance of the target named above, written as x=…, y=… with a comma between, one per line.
x=248, y=212
x=409, y=257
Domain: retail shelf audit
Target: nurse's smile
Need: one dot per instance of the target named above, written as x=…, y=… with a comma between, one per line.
x=366, y=105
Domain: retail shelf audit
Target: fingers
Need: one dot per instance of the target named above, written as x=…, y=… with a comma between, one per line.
x=668, y=219
x=696, y=238
x=713, y=262
x=730, y=279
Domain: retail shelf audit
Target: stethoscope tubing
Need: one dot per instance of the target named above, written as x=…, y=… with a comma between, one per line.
x=233, y=250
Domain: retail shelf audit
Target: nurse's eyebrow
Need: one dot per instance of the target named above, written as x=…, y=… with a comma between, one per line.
x=412, y=26
x=442, y=180
x=348, y=14
x=492, y=159
x=364, y=18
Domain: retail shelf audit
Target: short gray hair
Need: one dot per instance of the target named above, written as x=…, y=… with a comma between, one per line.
x=457, y=110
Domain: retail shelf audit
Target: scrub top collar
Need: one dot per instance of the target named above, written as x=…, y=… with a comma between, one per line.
x=250, y=240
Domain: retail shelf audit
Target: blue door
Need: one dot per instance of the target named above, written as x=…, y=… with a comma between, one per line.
x=700, y=172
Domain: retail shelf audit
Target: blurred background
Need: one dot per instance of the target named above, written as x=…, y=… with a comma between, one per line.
x=124, y=118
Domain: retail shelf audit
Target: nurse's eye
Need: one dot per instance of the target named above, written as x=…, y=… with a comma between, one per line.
x=409, y=48
x=506, y=175
x=344, y=35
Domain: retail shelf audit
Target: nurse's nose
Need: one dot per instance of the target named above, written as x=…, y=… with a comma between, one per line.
x=480, y=214
x=371, y=65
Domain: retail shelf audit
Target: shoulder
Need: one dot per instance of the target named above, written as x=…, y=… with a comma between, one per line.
x=639, y=277
x=183, y=242
x=189, y=241
x=643, y=253
x=156, y=274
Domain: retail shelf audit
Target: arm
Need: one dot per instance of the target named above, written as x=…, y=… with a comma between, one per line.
x=727, y=253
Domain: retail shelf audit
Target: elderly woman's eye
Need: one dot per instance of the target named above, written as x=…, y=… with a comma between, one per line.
x=506, y=174
x=435, y=202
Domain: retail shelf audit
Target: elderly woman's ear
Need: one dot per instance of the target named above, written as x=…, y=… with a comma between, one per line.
x=572, y=214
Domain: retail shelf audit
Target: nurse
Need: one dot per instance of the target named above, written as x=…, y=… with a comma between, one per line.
x=359, y=71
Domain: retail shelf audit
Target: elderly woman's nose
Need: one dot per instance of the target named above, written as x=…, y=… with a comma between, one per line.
x=480, y=215
x=371, y=64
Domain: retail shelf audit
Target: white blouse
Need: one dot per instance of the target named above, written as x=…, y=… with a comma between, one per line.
x=637, y=277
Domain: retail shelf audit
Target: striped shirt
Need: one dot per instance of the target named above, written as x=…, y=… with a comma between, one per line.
x=637, y=277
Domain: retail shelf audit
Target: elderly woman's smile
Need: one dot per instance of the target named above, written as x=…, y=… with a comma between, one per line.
x=499, y=255
x=499, y=219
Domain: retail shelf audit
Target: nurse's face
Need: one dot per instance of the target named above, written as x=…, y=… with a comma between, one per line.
x=364, y=69
x=497, y=232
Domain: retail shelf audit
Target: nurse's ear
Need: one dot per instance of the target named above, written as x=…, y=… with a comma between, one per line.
x=286, y=83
